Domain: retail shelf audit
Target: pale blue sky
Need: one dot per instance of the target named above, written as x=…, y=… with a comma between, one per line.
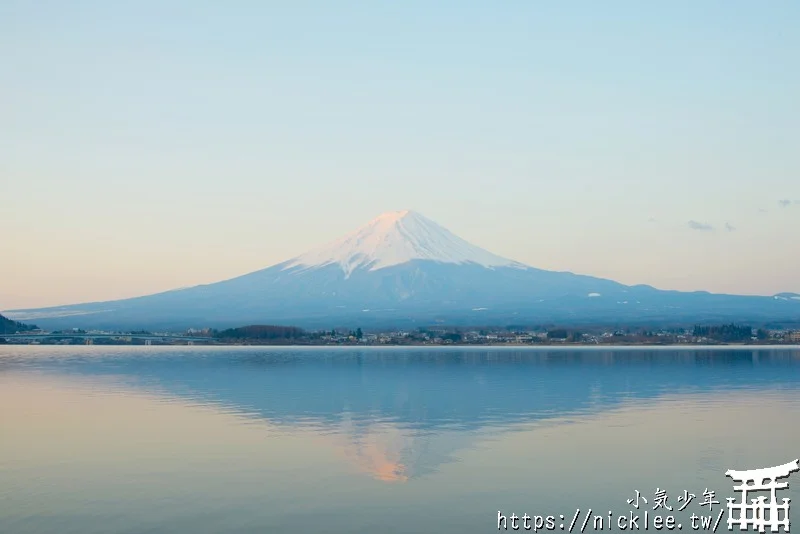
x=155, y=144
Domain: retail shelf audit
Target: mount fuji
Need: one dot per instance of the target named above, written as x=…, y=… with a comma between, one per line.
x=402, y=269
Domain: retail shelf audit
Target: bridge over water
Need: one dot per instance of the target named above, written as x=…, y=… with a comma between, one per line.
x=88, y=337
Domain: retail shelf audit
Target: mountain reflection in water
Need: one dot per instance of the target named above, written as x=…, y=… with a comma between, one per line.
x=399, y=413
x=99, y=440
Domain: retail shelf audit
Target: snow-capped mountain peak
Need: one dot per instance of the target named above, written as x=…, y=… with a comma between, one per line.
x=394, y=238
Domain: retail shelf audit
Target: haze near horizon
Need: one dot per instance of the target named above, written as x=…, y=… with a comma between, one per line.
x=160, y=145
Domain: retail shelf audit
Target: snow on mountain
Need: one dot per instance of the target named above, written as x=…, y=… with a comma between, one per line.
x=395, y=238
x=402, y=269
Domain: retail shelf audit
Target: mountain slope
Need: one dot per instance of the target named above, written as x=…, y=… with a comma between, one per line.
x=7, y=326
x=403, y=269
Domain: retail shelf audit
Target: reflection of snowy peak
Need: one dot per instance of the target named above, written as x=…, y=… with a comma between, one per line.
x=395, y=238
x=391, y=452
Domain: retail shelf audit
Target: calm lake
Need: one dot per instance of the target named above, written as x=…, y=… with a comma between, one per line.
x=259, y=440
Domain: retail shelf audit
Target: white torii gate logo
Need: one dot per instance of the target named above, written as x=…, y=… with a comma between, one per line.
x=759, y=513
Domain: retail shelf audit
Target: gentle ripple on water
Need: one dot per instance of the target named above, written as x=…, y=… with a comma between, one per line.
x=344, y=440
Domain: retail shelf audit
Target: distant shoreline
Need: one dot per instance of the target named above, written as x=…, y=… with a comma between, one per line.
x=726, y=335
x=505, y=347
x=452, y=346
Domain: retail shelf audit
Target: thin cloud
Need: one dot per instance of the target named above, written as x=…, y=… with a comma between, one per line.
x=785, y=203
x=729, y=227
x=652, y=220
x=703, y=227
x=762, y=210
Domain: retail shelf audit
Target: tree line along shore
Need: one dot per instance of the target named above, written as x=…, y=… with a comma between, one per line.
x=438, y=335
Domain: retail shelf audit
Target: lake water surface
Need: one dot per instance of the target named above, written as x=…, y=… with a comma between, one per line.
x=195, y=440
